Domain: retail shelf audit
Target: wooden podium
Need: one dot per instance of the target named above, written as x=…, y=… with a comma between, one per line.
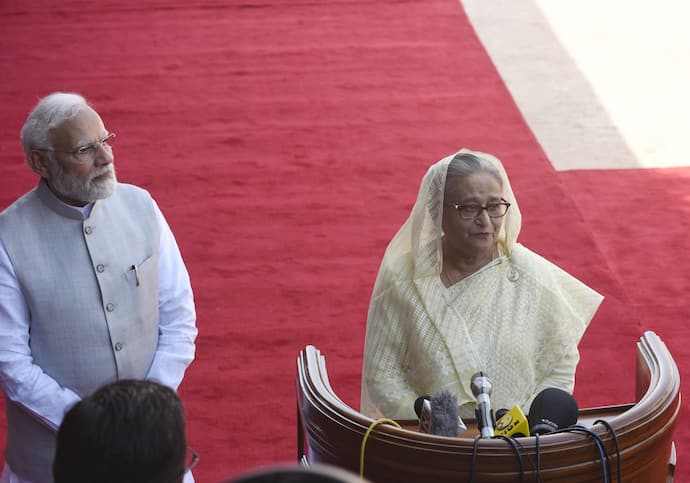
x=329, y=431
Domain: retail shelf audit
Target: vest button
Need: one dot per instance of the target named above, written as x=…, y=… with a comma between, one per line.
x=88, y=230
x=110, y=307
x=100, y=268
x=118, y=346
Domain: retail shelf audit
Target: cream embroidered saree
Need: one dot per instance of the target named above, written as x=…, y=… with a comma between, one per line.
x=519, y=318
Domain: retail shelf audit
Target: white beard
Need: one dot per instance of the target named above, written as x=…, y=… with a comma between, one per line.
x=83, y=189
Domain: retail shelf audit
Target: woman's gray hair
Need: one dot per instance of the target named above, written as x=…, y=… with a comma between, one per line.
x=49, y=113
x=465, y=164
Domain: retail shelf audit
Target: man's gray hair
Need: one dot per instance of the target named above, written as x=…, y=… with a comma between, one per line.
x=49, y=113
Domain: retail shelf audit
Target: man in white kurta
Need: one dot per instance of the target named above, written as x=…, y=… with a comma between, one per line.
x=92, y=285
x=519, y=318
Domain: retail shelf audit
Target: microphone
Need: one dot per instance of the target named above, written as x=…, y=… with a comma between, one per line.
x=422, y=407
x=500, y=413
x=552, y=409
x=444, y=414
x=481, y=388
x=511, y=423
x=438, y=414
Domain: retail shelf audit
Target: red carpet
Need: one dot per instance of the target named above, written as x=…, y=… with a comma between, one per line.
x=285, y=142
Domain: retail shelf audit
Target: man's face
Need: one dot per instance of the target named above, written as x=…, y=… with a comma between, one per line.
x=84, y=177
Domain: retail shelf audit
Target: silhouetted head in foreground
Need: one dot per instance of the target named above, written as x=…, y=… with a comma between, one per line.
x=128, y=431
x=299, y=474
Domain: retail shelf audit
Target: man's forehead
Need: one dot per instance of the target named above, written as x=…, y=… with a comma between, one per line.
x=85, y=125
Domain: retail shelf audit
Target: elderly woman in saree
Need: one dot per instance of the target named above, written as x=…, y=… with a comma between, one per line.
x=457, y=294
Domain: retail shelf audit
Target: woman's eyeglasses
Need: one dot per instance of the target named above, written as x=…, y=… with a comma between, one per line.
x=471, y=211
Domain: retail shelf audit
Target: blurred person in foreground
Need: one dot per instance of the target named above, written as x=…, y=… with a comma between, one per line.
x=128, y=431
x=457, y=294
x=316, y=473
x=92, y=284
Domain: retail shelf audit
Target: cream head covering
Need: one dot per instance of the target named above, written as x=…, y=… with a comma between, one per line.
x=421, y=235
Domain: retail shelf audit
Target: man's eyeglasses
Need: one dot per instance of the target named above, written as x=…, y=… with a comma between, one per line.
x=471, y=211
x=191, y=460
x=87, y=153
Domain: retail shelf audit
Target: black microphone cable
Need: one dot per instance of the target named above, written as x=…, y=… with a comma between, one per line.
x=603, y=454
x=475, y=446
x=516, y=449
x=513, y=443
x=538, y=451
x=615, y=443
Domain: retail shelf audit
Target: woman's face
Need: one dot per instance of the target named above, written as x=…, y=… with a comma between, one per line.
x=476, y=237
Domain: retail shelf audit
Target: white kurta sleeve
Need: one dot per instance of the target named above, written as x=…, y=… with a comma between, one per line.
x=21, y=380
x=176, y=313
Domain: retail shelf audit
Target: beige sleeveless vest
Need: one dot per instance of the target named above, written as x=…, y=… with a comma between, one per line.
x=94, y=318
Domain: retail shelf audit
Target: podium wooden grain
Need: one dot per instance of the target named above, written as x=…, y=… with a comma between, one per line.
x=329, y=431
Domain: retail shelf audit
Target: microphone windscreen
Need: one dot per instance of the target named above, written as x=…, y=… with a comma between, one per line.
x=444, y=414
x=552, y=409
